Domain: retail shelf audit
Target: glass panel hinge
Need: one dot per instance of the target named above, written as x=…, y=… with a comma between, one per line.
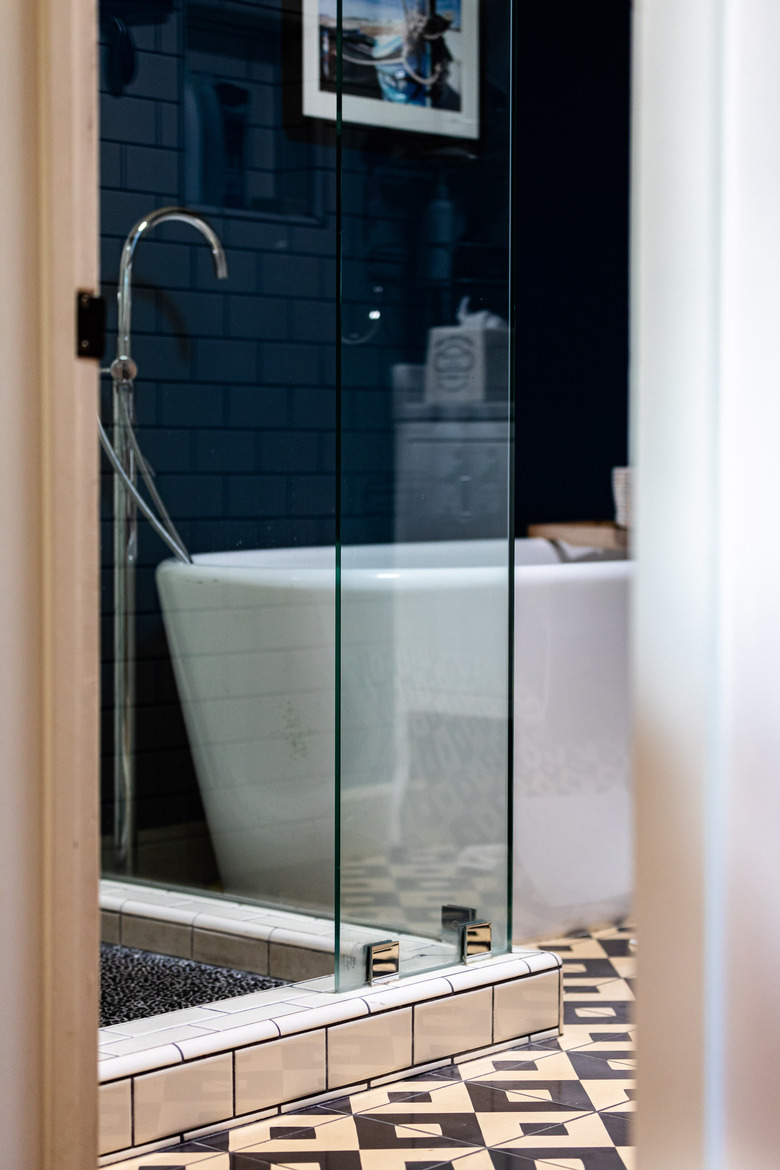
x=474, y=935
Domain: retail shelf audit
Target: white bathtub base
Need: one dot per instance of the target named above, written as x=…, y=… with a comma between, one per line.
x=423, y=668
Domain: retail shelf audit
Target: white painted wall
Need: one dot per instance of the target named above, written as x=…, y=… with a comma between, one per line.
x=706, y=420
x=750, y=585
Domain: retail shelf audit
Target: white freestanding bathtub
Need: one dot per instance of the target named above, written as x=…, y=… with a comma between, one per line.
x=423, y=662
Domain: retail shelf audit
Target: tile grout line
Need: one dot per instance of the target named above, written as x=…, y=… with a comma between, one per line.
x=327, y=1059
x=413, y=1053
x=132, y=1111
x=493, y=1012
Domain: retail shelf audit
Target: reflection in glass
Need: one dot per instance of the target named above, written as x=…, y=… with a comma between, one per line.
x=424, y=521
x=235, y=410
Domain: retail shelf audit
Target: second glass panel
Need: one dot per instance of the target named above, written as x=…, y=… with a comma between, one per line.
x=425, y=463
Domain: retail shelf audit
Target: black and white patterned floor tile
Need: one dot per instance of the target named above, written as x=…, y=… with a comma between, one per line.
x=563, y=1103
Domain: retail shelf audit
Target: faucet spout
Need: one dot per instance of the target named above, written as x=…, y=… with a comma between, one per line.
x=124, y=368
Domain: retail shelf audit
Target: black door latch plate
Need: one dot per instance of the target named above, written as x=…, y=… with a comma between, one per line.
x=90, y=325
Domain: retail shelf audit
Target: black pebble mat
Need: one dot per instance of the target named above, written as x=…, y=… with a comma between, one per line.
x=135, y=984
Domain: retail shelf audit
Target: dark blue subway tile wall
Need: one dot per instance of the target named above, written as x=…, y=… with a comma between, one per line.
x=235, y=406
x=236, y=389
x=128, y=119
x=202, y=405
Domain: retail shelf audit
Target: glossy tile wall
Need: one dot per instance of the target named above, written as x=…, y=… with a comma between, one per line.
x=216, y=930
x=235, y=393
x=223, y=1062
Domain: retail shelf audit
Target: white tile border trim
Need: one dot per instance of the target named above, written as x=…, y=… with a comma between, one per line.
x=334, y=1094
x=158, y=1047
x=224, y=1027
x=215, y=914
x=321, y=1017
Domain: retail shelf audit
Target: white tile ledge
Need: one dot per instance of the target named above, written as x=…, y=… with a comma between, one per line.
x=216, y=915
x=291, y=1106
x=301, y=1011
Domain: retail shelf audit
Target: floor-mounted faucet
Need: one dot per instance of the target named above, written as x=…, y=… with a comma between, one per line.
x=123, y=368
x=127, y=460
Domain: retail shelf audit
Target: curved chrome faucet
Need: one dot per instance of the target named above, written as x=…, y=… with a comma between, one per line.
x=126, y=458
x=123, y=368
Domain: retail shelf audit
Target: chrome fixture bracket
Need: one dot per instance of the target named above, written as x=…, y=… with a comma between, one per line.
x=476, y=940
x=383, y=960
x=474, y=935
x=455, y=917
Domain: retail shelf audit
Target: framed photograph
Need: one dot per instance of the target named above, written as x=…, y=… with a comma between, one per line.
x=406, y=64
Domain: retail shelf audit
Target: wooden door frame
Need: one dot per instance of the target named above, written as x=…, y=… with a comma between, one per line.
x=49, y=668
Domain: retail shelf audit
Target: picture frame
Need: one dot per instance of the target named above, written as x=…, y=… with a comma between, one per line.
x=406, y=64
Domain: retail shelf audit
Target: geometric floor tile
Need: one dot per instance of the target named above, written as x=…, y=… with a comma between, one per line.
x=564, y=1103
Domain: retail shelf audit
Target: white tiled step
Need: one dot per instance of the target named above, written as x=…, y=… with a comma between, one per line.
x=314, y=1043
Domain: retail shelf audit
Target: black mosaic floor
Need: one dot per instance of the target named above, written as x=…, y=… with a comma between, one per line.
x=135, y=984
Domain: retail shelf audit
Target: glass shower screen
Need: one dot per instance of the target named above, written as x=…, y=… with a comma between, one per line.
x=420, y=91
